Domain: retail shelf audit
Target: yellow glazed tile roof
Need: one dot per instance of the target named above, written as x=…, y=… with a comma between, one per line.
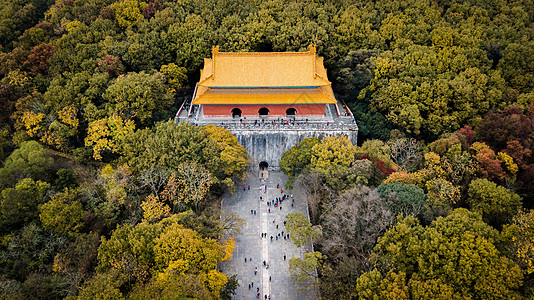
x=265, y=69
x=268, y=77
x=266, y=96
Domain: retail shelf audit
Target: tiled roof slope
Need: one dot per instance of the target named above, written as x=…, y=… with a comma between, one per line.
x=264, y=70
x=266, y=96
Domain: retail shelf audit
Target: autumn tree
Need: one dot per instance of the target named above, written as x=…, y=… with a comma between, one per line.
x=233, y=156
x=174, y=74
x=37, y=62
x=351, y=227
x=498, y=128
x=520, y=233
x=332, y=152
x=106, y=135
x=350, y=230
x=405, y=153
x=154, y=209
x=496, y=204
x=128, y=12
x=467, y=263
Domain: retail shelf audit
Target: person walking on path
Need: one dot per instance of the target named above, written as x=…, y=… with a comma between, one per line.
x=284, y=257
x=245, y=260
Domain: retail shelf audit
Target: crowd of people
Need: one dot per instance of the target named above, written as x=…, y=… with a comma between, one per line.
x=275, y=232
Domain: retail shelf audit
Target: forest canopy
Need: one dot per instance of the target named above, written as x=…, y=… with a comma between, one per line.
x=96, y=176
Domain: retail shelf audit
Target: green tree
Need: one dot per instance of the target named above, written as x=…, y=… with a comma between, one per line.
x=496, y=204
x=298, y=158
x=168, y=145
x=19, y=204
x=173, y=286
x=63, y=213
x=458, y=253
x=77, y=89
x=304, y=271
x=30, y=160
x=102, y=286
x=301, y=230
x=230, y=288
x=138, y=95
x=406, y=199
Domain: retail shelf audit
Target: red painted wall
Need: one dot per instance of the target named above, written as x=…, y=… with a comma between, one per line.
x=252, y=110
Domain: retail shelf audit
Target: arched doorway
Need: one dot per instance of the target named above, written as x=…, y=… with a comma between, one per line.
x=236, y=113
x=264, y=111
x=291, y=111
x=264, y=170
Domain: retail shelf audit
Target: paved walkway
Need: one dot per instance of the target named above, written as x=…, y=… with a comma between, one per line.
x=252, y=250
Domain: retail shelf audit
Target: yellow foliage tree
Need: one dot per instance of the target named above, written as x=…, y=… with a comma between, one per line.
x=34, y=123
x=154, y=209
x=333, y=151
x=234, y=158
x=175, y=75
x=521, y=234
x=128, y=12
x=107, y=134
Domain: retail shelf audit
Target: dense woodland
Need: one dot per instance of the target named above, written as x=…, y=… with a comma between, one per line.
x=104, y=196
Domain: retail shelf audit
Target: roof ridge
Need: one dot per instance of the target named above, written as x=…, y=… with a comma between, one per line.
x=264, y=53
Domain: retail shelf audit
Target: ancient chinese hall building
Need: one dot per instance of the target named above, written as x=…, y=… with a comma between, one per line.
x=269, y=101
x=273, y=84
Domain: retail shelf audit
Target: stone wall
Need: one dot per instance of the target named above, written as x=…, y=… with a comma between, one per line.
x=270, y=144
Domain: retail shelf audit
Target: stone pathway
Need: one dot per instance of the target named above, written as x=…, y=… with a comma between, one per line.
x=252, y=250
